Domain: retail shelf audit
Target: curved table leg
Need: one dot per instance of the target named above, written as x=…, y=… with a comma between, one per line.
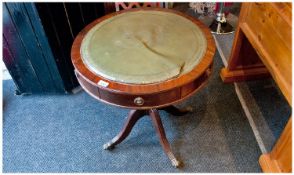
x=133, y=117
x=177, y=111
x=162, y=137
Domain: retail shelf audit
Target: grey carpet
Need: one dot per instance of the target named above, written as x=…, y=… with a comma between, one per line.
x=65, y=133
x=225, y=44
x=273, y=108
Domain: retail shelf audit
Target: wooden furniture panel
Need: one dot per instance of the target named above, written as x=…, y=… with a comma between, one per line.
x=270, y=34
x=267, y=28
x=26, y=52
x=37, y=39
x=62, y=22
x=244, y=63
x=280, y=159
x=263, y=41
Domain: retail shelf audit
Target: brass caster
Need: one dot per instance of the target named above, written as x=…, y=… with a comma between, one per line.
x=175, y=163
x=188, y=109
x=108, y=146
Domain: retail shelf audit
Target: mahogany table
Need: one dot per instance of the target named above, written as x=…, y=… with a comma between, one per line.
x=144, y=91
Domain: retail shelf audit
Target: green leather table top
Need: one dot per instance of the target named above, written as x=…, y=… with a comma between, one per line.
x=143, y=47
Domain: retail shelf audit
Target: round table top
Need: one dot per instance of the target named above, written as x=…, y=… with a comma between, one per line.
x=181, y=82
x=141, y=47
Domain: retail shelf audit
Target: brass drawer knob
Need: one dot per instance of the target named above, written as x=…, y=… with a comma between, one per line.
x=139, y=101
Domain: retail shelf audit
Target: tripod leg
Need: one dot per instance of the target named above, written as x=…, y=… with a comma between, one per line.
x=133, y=117
x=177, y=111
x=162, y=137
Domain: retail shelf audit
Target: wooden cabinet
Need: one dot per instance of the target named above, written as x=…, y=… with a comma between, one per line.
x=26, y=51
x=62, y=22
x=263, y=47
x=37, y=39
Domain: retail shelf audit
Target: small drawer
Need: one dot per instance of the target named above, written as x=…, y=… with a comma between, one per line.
x=141, y=101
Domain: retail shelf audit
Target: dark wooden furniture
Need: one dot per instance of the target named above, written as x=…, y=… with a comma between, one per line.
x=130, y=5
x=61, y=23
x=37, y=39
x=26, y=51
x=144, y=99
x=262, y=48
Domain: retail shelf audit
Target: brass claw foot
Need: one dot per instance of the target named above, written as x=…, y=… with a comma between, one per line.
x=153, y=113
x=108, y=146
x=134, y=116
x=188, y=109
x=175, y=163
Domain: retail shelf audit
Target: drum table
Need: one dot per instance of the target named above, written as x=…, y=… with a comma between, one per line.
x=145, y=59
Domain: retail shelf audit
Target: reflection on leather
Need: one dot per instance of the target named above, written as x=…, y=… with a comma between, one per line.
x=143, y=47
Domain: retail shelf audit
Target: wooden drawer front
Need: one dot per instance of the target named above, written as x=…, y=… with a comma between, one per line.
x=93, y=90
x=268, y=29
x=150, y=100
x=127, y=100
